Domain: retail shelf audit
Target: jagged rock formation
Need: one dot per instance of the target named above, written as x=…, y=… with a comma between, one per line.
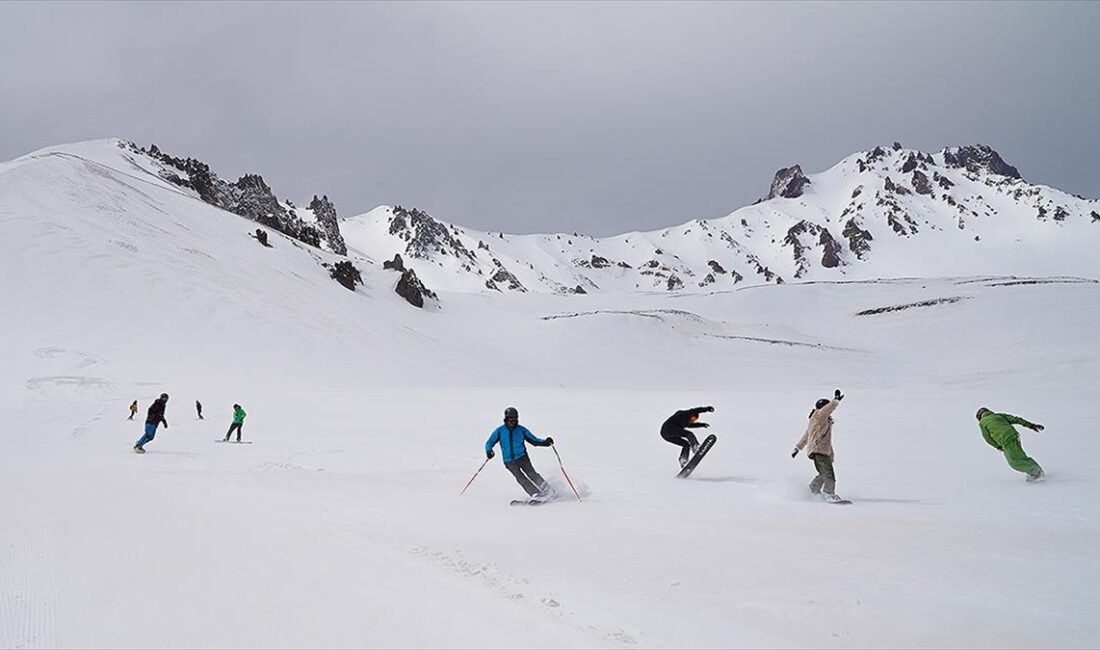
x=251, y=198
x=346, y=274
x=788, y=183
x=412, y=289
x=325, y=214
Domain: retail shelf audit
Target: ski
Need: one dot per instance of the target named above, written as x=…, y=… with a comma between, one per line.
x=235, y=442
x=694, y=462
x=527, y=502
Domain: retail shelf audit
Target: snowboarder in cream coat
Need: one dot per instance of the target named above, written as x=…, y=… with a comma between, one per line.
x=818, y=443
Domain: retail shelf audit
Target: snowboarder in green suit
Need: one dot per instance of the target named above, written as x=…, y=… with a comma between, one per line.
x=999, y=432
x=238, y=422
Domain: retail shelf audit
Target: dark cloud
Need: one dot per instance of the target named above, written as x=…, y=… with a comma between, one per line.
x=541, y=117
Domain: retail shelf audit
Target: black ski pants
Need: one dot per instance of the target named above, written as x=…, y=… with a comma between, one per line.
x=826, y=477
x=526, y=475
x=237, y=426
x=682, y=437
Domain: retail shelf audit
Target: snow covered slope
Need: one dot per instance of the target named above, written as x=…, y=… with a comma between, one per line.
x=882, y=213
x=341, y=526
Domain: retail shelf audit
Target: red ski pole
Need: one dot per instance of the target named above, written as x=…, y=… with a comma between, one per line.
x=566, y=475
x=474, y=476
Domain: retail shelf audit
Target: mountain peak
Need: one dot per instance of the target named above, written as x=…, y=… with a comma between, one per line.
x=976, y=157
x=788, y=183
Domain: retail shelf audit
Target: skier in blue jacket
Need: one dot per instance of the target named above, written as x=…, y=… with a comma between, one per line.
x=512, y=437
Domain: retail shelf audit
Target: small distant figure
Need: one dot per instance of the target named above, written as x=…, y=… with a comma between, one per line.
x=238, y=422
x=998, y=431
x=154, y=417
x=675, y=430
x=198, y=408
x=818, y=442
x=511, y=437
x=133, y=410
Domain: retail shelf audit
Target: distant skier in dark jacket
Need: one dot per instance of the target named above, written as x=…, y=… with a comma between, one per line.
x=238, y=422
x=198, y=408
x=133, y=410
x=154, y=417
x=999, y=432
x=512, y=437
x=675, y=430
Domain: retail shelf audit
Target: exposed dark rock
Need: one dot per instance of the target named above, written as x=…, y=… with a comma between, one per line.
x=707, y=280
x=623, y=265
x=1042, y=213
x=325, y=213
x=482, y=245
x=1060, y=213
x=412, y=289
x=261, y=236
x=896, y=189
x=716, y=267
x=424, y=236
x=979, y=157
x=788, y=183
x=598, y=262
x=346, y=274
x=856, y=192
x=249, y=197
x=857, y=239
x=579, y=289
x=876, y=154
x=943, y=181
x=505, y=277
x=674, y=283
x=910, y=164
x=830, y=259
x=1095, y=216
x=396, y=264
x=920, y=183
x=897, y=146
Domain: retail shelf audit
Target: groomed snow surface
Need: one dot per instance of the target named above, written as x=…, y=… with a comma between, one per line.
x=342, y=524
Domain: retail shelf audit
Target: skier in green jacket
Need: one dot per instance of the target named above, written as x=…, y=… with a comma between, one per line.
x=998, y=431
x=238, y=422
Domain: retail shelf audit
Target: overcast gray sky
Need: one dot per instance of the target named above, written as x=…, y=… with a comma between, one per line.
x=599, y=118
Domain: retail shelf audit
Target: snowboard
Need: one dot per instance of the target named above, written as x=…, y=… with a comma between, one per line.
x=694, y=462
x=235, y=442
x=842, y=502
x=528, y=502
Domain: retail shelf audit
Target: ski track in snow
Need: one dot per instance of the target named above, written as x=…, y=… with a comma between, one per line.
x=29, y=587
x=521, y=590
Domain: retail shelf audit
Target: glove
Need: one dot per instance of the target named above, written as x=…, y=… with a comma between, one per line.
x=489, y=454
x=165, y=424
x=710, y=409
x=703, y=424
x=1037, y=428
x=794, y=453
x=549, y=442
x=837, y=395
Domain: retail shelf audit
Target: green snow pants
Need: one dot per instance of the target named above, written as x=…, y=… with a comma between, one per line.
x=1018, y=459
x=826, y=476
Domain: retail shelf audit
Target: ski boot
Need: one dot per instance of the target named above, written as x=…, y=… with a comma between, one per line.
x=138, y=450
x=1035, y=478
x=830, y=498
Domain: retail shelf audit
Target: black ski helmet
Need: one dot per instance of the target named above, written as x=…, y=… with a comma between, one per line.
x=511, y=413
x=164, y=396
x=820, y=403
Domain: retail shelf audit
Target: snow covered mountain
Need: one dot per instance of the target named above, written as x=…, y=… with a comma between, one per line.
x=885, y=212
x=342, y=525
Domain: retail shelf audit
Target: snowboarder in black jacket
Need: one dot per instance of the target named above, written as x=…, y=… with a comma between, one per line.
x=154, y=418
x=675, y=430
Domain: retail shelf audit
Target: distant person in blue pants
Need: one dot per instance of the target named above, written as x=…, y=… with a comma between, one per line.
x=152, y=419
